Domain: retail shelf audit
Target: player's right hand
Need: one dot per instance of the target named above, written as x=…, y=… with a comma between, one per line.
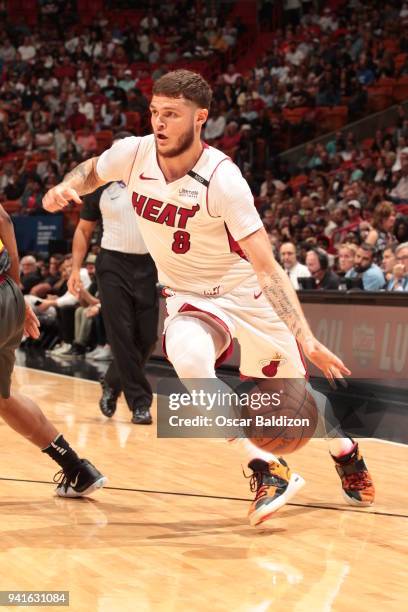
x=31, y=323
x=74, y=283
x=331, y=366
x=58, y=197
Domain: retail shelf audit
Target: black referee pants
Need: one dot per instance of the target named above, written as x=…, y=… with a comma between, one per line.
x=130, y=310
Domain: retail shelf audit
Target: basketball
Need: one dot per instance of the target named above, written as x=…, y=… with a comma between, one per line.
x=283, y=415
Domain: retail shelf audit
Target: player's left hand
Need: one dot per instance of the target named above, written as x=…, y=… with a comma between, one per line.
x=31, y=323
x=331, y=366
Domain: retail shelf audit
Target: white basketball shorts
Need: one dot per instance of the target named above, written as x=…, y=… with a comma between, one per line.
x=268, y=349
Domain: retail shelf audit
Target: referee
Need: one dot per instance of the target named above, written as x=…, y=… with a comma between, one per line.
x=127, y=280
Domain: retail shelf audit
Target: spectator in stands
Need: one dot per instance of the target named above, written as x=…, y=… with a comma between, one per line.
x=231, y=75
x=83, y=320
x=127, y=82
x=50, y=278
x=31, y=199
x=65, y=306
x=317, y=262
x=388, y=262
x=346, y=257
x=353, y=213
x=399, y=278
x=30, y=275
x=43, y=138
x=215, y=126
x=87, y=141
x=364, y=267
x=383, y=222
x=291, y=265
x=76, y=120
x=400, y=192
x=401, y=229
x=230, y=141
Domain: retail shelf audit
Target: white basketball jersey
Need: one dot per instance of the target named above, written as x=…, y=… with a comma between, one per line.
x=192, y=247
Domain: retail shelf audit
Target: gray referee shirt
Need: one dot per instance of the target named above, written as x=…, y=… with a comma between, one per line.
x=112, y=204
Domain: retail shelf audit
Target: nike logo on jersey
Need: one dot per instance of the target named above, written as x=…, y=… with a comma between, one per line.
x=159, y=212
x=257, y=295
x=147, y=178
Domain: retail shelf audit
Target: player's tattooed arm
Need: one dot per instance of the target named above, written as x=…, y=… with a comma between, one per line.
x=278, y=290
x=84, y=178
x=79, y=181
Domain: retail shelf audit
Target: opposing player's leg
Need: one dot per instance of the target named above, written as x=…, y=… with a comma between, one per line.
x=78, y=476
x=193, y=345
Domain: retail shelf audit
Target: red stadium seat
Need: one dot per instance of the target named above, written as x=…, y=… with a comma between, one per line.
x=12, y=206
x=104, y=140
x=380, y=97
x=400, y=90
x=294, y=115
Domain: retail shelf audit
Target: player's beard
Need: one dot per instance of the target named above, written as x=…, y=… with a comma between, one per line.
x=184, y=142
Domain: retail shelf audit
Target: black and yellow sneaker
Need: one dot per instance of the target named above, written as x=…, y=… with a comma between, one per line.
x=274, y=485
x=357, y=484
x=81, y=480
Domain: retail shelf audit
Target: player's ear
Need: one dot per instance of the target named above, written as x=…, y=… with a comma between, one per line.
x=202, y=115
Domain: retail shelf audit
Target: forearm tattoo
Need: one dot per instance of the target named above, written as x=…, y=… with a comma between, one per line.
x=278, y=291
x=83, y=178
x=283, y=304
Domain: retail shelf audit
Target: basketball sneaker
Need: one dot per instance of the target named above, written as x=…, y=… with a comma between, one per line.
x=274, y=485
x=357, y=484
x=81, y=480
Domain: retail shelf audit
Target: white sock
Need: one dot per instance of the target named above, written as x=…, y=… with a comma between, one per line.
x=252, y=451
x=341, y=446
x=258, y=453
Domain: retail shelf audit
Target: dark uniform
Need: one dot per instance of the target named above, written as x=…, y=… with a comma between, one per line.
x=127, y=289
x=12, y=317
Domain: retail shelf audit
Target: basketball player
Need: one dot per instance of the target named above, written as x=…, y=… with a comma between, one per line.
x=198, y=220
x=77, y=477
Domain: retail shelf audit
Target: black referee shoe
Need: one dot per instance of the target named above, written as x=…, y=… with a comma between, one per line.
x=142, y=416
x=109, y=398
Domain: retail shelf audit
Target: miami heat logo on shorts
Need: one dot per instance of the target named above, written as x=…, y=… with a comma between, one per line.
x=270, y=366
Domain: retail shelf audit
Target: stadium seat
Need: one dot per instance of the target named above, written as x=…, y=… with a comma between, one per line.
x=400, y=90
x=104, y=140
x=294, y=115
x=11, y=206
x=380, y=97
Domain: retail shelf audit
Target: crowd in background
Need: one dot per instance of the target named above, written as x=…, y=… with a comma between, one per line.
x=339, y=212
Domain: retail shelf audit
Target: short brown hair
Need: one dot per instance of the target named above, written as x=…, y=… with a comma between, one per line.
x=184, y=84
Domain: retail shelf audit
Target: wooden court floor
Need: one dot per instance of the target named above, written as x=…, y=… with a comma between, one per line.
x=169, y=533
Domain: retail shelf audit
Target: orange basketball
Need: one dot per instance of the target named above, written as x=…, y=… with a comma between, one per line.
x=283, y=415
